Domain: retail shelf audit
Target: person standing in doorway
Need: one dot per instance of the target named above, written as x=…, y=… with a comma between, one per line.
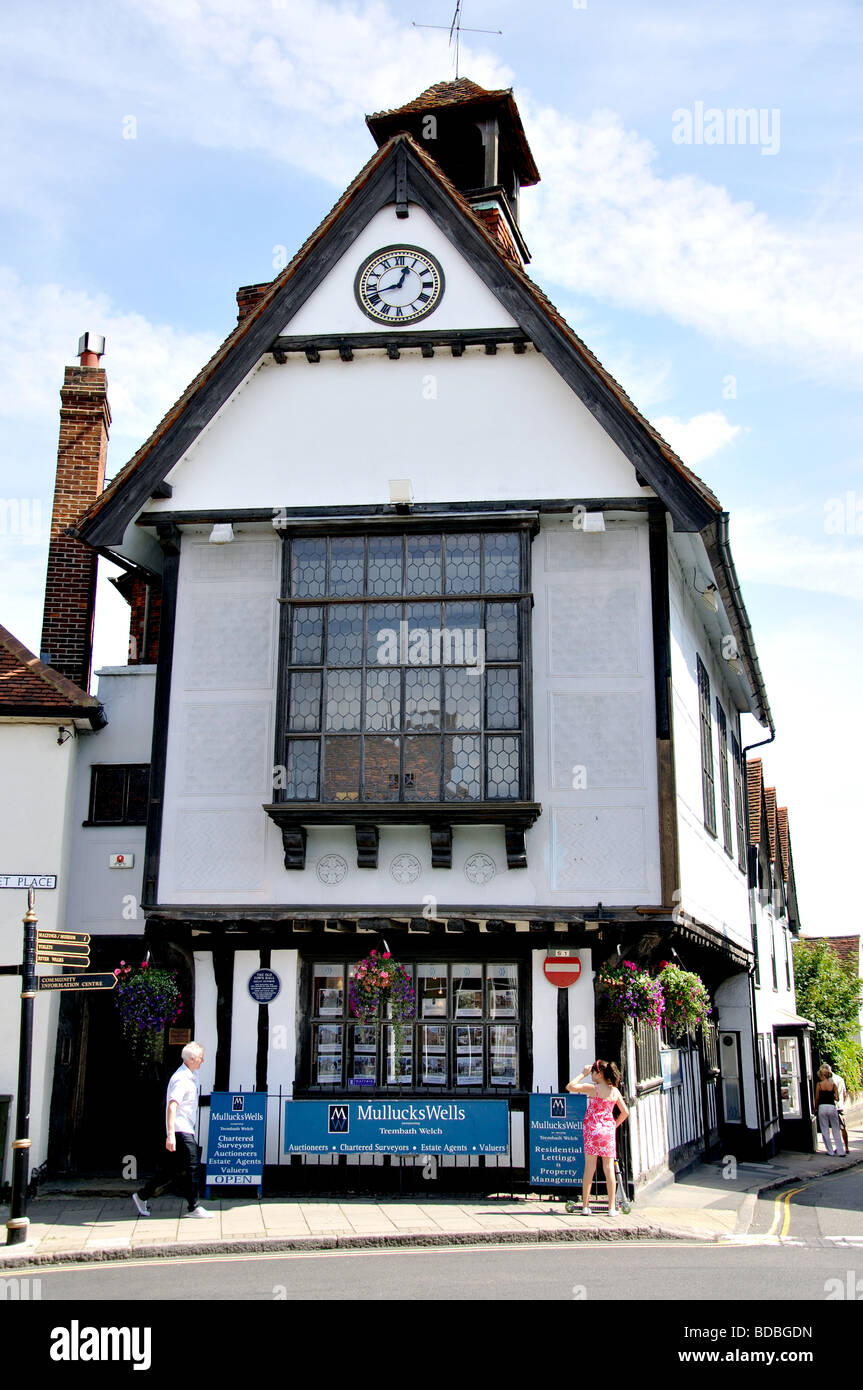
x=181, y=1119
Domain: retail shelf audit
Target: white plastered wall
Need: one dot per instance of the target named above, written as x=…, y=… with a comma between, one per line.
x=712, y=887
x=333, y=433
x=592, y=708
x=33, y=843
x=105, y=901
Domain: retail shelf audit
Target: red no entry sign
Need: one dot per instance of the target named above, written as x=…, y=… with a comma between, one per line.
x=562, y=970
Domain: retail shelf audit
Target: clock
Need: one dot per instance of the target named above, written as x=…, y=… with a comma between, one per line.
x=399, y=284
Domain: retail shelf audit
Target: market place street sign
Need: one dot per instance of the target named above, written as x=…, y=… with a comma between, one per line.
x=396, y=1126
x=28, y=880
x=561, y=969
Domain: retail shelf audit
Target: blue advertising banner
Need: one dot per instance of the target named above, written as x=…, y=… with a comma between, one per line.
x=235, y=1143
x=556, y=1143
x=396, y=1126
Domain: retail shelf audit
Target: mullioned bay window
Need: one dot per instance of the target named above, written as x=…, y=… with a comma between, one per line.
x=405, y=683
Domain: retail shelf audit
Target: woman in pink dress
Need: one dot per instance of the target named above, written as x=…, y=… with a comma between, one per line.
x=600, y=1126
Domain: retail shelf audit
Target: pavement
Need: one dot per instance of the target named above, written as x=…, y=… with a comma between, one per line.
x=90, y=1221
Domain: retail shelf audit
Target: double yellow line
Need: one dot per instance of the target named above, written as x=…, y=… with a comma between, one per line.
x=783, y=1217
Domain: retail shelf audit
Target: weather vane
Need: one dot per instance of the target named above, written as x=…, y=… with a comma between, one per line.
x=455, y=31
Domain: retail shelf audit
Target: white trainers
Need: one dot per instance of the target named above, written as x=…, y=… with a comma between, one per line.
x=200, y=1212
x=142, y=1208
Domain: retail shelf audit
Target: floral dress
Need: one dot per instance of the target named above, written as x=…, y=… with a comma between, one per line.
x=600, y=1136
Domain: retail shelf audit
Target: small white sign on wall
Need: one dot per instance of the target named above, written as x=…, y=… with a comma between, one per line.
x=121, y=861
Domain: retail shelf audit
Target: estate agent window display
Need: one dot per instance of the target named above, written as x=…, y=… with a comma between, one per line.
x=466, y=1037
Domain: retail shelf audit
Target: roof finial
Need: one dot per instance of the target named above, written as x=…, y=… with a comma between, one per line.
x=455, y=31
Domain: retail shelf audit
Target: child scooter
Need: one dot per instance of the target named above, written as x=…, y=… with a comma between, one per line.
x=621, y=1200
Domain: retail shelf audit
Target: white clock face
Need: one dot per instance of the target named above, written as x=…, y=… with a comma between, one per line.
x=399, y=284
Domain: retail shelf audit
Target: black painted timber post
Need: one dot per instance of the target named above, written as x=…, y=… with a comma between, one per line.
x=19, y=1222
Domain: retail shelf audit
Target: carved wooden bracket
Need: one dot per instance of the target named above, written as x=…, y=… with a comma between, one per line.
x=367, y=837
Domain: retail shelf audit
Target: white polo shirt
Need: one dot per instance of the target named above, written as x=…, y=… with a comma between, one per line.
x=184, y=1090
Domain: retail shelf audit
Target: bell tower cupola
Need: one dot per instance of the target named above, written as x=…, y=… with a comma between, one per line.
x=477, y=138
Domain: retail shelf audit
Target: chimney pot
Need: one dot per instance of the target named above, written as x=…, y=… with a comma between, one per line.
x=91, y=346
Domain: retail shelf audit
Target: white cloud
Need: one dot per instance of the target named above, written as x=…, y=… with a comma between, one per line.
x=148, y=364
x=293, y=78
x=697, y=439
x=605, y=222
x=779, y=549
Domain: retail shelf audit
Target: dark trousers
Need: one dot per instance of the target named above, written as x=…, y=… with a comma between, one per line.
x=180, y=1170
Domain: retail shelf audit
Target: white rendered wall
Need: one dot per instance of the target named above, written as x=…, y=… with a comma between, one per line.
x=282, y=1057
x=593, y=704
x=594, y=716
x=102, y=900
x=38, y=783
x=466, y=301
x=712, y=888
x=544, y=1021
x=333, y=433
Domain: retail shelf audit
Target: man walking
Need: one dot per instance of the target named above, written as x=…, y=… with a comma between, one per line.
x=181, y=1116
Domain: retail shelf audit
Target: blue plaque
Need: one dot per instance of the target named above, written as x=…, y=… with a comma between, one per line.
x=235, y=1143
x=383, y=1126
x=556, y=1142
x=264, y=986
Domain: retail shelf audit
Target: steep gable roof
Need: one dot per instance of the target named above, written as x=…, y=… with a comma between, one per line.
x=690, y=501
x=29, y=687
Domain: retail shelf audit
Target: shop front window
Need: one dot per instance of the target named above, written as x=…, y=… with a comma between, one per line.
x=466, y=1034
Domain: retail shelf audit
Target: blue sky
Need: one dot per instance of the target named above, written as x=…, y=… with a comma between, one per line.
x=158, y=155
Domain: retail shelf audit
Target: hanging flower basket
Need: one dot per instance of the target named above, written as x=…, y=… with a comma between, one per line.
x=687, y=1003
x=377, y=981
x=633, y=995
x=147, y=998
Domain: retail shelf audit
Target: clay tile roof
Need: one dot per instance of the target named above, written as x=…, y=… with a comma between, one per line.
x=753, y=792
x=770, y=800
x=442, y=94
x=26, y=683
x=847, y=949
x=462, y=92
x=782, y=822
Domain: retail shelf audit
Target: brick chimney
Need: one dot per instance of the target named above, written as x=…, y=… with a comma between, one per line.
x=248, y=297
x=70, y=585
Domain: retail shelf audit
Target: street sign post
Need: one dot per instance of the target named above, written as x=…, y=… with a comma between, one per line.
x=53, y=940
x=28, y=881
x=108, y=980
x=71, y=962
x=18, y=1223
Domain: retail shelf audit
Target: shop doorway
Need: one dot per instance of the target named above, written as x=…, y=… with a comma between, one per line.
x=107, y=1117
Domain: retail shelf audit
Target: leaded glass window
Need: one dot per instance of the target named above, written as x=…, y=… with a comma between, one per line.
x=404, y=667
